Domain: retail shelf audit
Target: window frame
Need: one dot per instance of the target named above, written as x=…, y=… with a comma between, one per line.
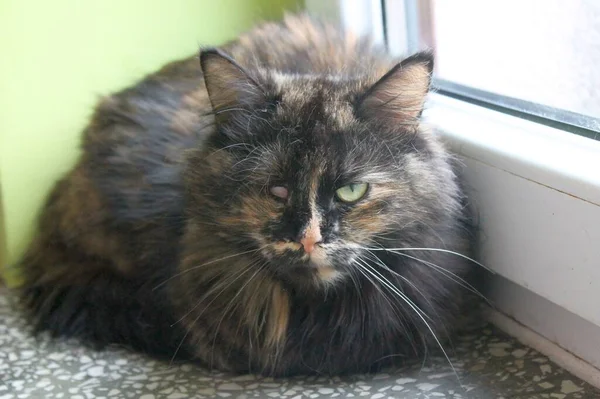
x=567, y=121
x=417, y=33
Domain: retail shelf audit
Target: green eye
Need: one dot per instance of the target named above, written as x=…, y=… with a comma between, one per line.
x=352, y=192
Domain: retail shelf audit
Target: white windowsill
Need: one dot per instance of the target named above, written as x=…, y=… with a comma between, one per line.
x=562, y=161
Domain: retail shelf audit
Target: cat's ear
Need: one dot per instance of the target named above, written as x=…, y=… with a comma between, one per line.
x=229, y=87
x=399, y=96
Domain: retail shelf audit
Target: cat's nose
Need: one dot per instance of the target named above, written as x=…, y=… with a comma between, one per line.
x=309, y=243
x=311, y=237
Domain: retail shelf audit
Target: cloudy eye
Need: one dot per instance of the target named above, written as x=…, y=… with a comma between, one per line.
x=279, y=192
x=352, y=192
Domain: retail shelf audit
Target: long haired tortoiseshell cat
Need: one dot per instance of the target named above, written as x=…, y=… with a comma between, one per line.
x=272, y=207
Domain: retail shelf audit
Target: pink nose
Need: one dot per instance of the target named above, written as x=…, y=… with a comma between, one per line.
x=312, y=236
x=309, y=243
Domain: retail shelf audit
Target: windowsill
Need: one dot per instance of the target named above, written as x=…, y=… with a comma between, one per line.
x=545, y=155
x=536, y=190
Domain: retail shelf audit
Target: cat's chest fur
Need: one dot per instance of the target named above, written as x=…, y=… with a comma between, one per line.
x=347, y=333
x=329, y=337
x=261, y=325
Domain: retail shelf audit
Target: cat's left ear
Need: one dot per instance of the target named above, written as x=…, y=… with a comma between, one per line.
x=228, y=85
x=400, y=94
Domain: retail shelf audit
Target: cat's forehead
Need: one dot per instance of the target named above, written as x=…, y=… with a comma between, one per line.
x=323, y=99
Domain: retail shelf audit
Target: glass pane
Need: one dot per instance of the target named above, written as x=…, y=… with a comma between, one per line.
x=544, y=51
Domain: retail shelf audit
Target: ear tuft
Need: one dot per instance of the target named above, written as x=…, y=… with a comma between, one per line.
x=228, y=85
x=399, y=96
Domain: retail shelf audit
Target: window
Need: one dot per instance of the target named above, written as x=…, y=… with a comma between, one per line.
x=539, y=57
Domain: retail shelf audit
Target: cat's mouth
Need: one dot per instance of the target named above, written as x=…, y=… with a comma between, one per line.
x=291, y=258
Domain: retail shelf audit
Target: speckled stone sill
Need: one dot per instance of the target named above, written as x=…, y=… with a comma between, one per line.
x=487, y=364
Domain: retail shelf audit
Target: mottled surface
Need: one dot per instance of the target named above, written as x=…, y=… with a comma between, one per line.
x=488, y=364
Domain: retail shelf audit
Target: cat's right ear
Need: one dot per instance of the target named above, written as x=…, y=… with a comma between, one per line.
x=229, y=87
x=399, y=96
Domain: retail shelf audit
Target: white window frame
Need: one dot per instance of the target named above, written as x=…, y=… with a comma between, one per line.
x=537, y=194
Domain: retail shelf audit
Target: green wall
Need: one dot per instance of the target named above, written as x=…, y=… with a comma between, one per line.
x=59, y=56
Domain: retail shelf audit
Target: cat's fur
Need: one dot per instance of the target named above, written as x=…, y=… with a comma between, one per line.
x=166, y=233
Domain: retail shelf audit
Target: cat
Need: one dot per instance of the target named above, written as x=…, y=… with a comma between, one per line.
x=270, y=206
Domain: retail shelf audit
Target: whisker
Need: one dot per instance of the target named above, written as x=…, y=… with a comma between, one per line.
x=228, y=147
x=226, y=285
x=189, y=329
x=380, y=263
x=393, y=306
x=377, y=287
x=452, y=276
x=206, y=264
x=433, y=250
x=396, y=289
x=414, y=307
x=229, y=307
x=223, y=110
x=357, y=286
